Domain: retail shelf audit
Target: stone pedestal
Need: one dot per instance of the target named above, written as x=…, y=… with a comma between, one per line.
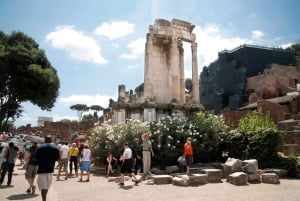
x=270, y=178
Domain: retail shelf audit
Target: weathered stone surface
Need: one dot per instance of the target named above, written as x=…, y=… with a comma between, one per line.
x=253, y=177
x=197, y=179
x=177, y=181
x=280, y=172
x=234, y=165
x=238, y=178
x=270, y=178
x=214, y=175
x=162, y=179
x=250, y=166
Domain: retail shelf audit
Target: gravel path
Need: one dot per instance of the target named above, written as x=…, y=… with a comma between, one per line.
x=100, y=189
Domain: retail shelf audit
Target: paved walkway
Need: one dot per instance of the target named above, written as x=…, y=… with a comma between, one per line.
x=100, y=189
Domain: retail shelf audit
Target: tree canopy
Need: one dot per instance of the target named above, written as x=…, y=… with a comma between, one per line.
x=81, y=108
x=188, y=85
x=25, y=75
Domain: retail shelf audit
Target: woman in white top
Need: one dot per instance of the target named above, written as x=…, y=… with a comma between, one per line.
x=85, y=162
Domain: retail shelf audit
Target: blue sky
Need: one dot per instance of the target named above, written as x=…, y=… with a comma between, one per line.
x=97, y=45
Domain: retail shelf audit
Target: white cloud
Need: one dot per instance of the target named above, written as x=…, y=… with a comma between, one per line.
x=257, y=34
x=78, y=45
x=134, y=66
x=211, y=42
x=188, y=74
x=286, y=45
x=25, y=117
x=115, y=29
x=102, y=100
x=136, y=47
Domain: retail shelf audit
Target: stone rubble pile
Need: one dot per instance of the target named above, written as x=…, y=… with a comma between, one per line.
x=235, y=172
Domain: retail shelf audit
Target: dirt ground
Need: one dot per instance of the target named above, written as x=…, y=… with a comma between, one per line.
x=100, y=189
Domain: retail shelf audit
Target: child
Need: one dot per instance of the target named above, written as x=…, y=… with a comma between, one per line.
x=109, y=159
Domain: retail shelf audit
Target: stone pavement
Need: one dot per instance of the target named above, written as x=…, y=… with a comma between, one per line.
x=100, y=189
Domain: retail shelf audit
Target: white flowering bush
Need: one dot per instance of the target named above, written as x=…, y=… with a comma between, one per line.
x=109, y=137
x=168, y=136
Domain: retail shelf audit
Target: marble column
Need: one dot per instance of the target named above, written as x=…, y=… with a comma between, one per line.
x=195, y=76
x=182, y=80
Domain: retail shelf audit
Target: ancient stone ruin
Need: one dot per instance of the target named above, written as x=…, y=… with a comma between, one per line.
x=164, y=81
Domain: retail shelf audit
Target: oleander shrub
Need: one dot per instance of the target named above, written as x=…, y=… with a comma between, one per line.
x=168, y=136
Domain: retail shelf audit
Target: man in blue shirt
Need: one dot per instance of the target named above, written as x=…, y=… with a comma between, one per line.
x=46, y=156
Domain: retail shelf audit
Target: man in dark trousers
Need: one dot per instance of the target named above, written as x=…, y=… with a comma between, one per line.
x=8, y=166
x=46, y=156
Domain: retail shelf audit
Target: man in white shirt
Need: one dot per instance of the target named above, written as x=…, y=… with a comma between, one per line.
x=126, y=167
x=64, y=158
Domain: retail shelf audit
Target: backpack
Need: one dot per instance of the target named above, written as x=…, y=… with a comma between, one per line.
x=33, y=160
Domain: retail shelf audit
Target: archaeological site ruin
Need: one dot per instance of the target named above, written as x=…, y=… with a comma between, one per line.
x=164, y=81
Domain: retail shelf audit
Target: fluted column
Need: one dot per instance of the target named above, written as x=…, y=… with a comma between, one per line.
x=195, y=76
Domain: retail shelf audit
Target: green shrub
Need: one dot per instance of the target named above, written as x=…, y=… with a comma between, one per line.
x=291, y=164
x=256, y=120
x=256, y=137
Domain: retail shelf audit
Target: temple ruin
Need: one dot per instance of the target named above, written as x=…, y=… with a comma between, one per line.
x=164, y=81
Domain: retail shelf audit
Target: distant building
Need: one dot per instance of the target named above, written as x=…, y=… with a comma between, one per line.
x=223, y=83
x=41, y=121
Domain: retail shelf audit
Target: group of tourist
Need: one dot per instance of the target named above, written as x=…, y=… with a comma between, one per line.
x=41, y=160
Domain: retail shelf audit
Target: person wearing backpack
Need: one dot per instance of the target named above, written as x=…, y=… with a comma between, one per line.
x=31, y=167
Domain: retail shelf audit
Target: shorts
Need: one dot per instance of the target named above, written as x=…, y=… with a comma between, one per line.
x=85, y=166
x=63, y=163
x=126, y=166
x=44, y=181
x=189, y=160
x=31, y=172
